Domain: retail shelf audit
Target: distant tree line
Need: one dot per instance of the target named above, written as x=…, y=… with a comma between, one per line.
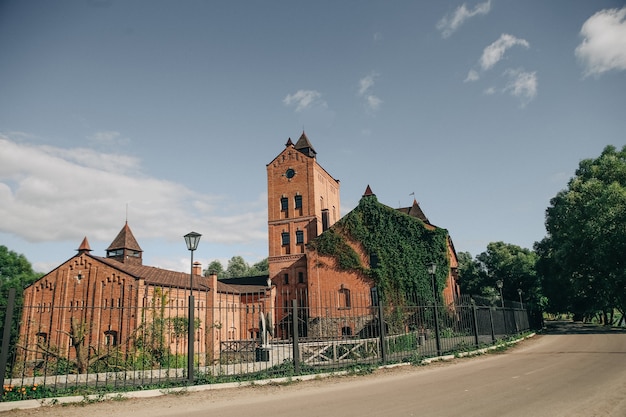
x=237, y=267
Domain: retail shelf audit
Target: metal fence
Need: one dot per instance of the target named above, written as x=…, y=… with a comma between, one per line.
x=51, y=348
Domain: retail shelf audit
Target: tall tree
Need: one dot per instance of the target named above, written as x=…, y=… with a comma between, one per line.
x=237, y=267
x=511, y=264
x=15, y=272
x=582, y=257
x=472, y=279
x=260, y=268
x=215, y=267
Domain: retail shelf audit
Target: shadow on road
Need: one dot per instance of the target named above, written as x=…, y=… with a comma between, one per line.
x=569, y=327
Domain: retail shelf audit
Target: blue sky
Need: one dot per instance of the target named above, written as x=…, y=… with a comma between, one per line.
x=167, y=112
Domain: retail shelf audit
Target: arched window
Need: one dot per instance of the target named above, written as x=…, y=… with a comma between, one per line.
x=42, y=338
x=344, y=297
x=110, y=338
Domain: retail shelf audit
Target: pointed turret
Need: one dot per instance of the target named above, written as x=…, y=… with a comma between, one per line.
x=125, y=248
x=368, y=192
x=415, y=211
x=303, y=145
x=84, y=246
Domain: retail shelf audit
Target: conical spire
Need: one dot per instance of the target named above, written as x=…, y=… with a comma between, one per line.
x=125, y=248
x=368, y=192
x=125, y=240
x=303, y=145
x=84, y=246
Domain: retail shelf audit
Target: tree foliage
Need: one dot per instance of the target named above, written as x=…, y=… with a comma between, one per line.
x=582, y=258
x=511, y=264
x=237, y=268
x=15, y=272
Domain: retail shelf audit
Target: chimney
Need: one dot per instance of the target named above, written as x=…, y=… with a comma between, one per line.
x=197, y=268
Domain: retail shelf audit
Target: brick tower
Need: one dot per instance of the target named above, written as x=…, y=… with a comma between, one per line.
x=303, y=201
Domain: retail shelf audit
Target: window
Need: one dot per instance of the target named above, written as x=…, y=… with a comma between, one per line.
x=344, y=297
x=115, y=252
x=42, y=338
x=301, y=277
x=346, y=331
x=110, y=338
x=299, y=236
x=298, y=201
x=284, y=203
x=285, y=238
x=286, y=279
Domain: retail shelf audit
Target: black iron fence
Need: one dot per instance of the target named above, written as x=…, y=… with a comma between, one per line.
x=48, y=349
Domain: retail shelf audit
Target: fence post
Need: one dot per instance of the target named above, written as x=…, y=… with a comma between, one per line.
x=437, y=337
x=296, y=349
x=493, y=333
x=6, y=334
x=475, y=322
x=381, y=325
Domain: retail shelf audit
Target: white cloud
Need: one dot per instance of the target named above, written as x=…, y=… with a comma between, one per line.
x=51, y=194
x=304, y=99
x=472, y=75
x=522, y=85
x=373, y=102
x=493, y=53
x=604, y=42
x=366, y=84
x=450, y=23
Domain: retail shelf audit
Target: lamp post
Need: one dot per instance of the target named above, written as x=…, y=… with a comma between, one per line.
x=191, y=239
x=519, y=292
x=431, y=270
x=500, y=284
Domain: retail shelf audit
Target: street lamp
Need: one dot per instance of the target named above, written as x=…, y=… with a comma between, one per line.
x=519, y=292
x=191, y=239
x=500, y=284
x=431, y=270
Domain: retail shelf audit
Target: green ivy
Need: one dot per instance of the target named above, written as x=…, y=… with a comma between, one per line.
x=404, y=245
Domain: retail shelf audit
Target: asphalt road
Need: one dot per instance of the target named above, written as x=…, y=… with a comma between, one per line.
x=573, y=370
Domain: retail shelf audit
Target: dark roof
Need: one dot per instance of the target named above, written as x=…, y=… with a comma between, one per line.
x=166, y=278
x=415, y=211
x=303, y=145
x=253, y=284
x=125, y=240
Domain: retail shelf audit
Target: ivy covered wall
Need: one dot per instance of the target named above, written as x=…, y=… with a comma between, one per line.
x=404, y=246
